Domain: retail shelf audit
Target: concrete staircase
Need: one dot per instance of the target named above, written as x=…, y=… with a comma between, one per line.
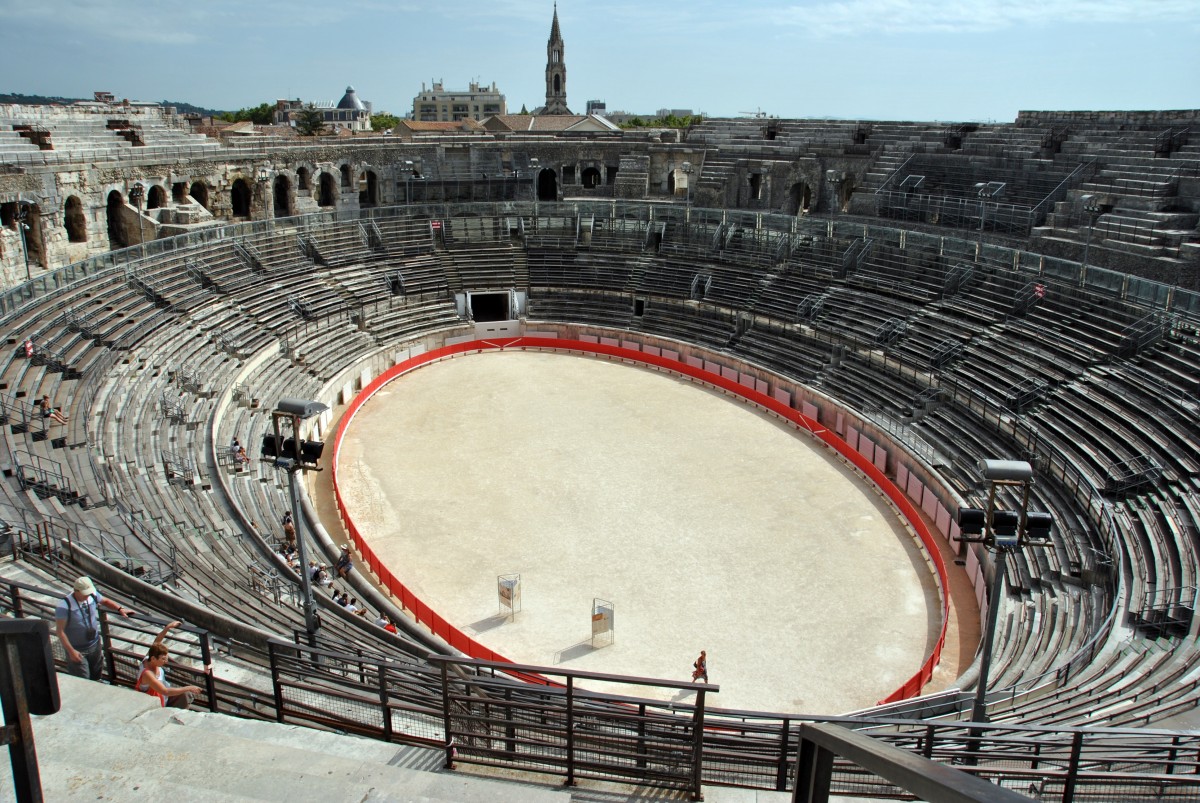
x=115, y=744
x=111, y=743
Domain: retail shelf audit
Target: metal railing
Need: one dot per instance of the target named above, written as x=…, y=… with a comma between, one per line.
x=489, y=713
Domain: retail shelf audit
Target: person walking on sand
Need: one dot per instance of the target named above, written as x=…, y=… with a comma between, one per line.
x=700, y=667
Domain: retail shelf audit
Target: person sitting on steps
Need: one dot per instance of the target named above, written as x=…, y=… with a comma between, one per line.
x=48, y=411
x=151, y=680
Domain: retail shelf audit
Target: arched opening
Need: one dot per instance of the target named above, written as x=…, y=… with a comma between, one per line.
x=346, y=177
x=239, y=198
x=74, y=221
x=755, y=186
x=671, y=182
x=33, y=237
x=157, y=197
x=118, y=235
x=547, y=185
x=844, y=191
x=179, y=192
x=283, y=206
x=368, y=189
x=302, y=179
x=557, y=85
x=328, y=190
x=799, y=199
x=590, y=177
x=199, y=193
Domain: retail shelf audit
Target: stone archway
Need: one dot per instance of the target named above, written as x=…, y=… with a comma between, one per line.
x=368, y=189
x=156, y=197
x=302, y=179
x=590, y=178
x=346, y=177
x=283, y=197
x=240, y=197
x=118, y=234
x=199, y=193
x=756, y=181
x=328, y=195
x=74, y=220
x=547, y=185
x=845, y=190
x=799, y=199
x=179, y=192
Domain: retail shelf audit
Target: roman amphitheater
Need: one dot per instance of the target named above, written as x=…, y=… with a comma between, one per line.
x=896, y=419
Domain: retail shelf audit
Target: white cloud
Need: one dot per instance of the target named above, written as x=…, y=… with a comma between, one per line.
x=843, y=17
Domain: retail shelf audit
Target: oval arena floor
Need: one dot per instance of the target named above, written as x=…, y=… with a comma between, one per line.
x=707, y=524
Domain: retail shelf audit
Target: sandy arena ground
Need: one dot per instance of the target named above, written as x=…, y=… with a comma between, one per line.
x=708, y=524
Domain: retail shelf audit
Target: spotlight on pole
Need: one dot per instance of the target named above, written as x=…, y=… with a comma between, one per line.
x=296, y=455
x=1001, y=531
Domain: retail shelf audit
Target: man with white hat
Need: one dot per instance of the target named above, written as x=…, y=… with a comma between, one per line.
x=344, y=565
x=77, y=622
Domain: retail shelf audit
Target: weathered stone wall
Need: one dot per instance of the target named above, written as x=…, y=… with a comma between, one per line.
x=1164, y=119
x=788, y=178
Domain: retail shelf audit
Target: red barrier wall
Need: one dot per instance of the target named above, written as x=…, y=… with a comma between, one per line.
x=465, y=644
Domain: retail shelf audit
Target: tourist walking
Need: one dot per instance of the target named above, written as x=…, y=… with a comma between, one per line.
x=77, y=623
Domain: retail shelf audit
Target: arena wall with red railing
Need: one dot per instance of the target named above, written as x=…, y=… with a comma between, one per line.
x=468, y=646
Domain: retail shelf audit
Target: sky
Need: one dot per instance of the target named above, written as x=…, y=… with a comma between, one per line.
x=926, y=60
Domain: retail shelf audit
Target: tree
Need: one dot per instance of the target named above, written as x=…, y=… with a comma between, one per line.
x=384, y=121
x=670, y=121
x=310, y=121
x=523, y=109
x=262, y=114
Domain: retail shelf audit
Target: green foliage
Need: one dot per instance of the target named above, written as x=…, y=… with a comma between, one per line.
x=670, y=121
x=523, y=110
x=384, y=121
x=310, y=121
x=262, y=114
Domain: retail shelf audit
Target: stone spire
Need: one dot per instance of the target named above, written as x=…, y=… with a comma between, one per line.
x=556, y=71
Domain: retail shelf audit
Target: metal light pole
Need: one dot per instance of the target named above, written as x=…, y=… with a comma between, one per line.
x=687, y=171
x=1003, y=531
x=986, y=190
x=137, y=194
x=1092, y=207
x=295, y=456
x=264, y=176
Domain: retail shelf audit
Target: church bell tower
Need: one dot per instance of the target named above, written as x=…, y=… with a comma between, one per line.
x=556, y=71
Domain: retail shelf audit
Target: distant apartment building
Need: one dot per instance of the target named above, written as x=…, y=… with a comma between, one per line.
x=597, y=107
x=349, y=113
x=438, y=105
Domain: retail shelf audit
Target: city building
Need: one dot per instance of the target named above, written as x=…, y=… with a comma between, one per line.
x=438, y=105
x=349, y=114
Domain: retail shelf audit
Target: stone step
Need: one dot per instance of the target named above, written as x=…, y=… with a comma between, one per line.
x=114, y=743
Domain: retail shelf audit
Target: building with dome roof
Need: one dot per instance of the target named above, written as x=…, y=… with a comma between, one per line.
x=351, y=113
